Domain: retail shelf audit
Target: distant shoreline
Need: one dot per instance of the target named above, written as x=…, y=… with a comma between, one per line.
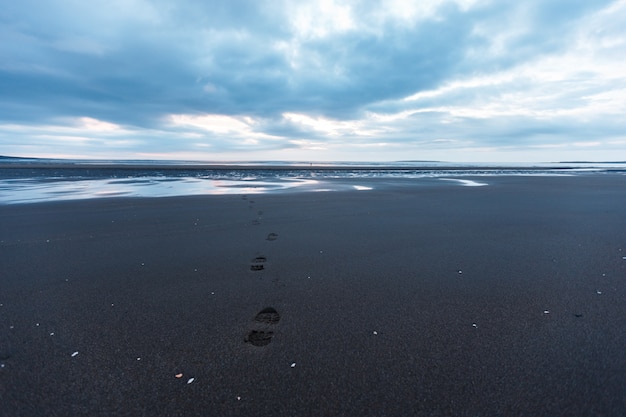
x=12, y=166
x=258, y=167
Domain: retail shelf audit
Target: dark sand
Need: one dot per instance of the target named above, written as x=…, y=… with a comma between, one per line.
x=418, y=298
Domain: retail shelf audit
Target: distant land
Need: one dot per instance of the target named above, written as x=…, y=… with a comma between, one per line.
x=591, y=162
x=17, y=159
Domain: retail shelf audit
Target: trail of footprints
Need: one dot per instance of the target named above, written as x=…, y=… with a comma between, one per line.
x=260, y=332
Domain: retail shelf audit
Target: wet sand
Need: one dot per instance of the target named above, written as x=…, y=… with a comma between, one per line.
x=415, y=298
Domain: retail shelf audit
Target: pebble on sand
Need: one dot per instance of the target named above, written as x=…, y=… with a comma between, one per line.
x=293, y=365
x=190, y=380
x=74, y=354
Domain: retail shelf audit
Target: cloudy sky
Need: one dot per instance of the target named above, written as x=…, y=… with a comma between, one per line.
x=454, y=80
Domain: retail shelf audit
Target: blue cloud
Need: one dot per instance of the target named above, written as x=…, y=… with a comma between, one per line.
x=350, y=68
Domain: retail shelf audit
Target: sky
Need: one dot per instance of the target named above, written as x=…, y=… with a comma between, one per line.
x=325, y=80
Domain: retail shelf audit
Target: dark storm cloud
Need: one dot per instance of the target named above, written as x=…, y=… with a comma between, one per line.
x=154, y=66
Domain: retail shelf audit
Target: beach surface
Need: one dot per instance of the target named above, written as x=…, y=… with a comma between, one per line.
x=424, y=298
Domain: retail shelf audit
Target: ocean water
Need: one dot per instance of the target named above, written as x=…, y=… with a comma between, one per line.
x=36, y=180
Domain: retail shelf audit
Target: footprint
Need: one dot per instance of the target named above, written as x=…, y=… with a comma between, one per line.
x=258, y=263
x=259, y=338
x=272, y=236
x=261, y=335
x=268, y=315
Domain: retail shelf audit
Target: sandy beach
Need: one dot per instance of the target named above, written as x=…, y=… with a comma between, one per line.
x=415, y=298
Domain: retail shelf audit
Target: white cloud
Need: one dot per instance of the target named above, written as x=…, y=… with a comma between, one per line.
x=94, y=125
x=211, y=122
x=320, y=19
x=582, y=81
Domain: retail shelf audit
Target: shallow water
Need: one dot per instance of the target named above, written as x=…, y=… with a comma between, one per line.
x=69, y=180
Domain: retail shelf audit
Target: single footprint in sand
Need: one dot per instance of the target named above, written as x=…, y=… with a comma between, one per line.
x=258, y=263
x=261, y=335
x=268, y=315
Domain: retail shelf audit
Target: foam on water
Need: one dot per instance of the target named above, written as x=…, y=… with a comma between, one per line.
x=466, y=183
